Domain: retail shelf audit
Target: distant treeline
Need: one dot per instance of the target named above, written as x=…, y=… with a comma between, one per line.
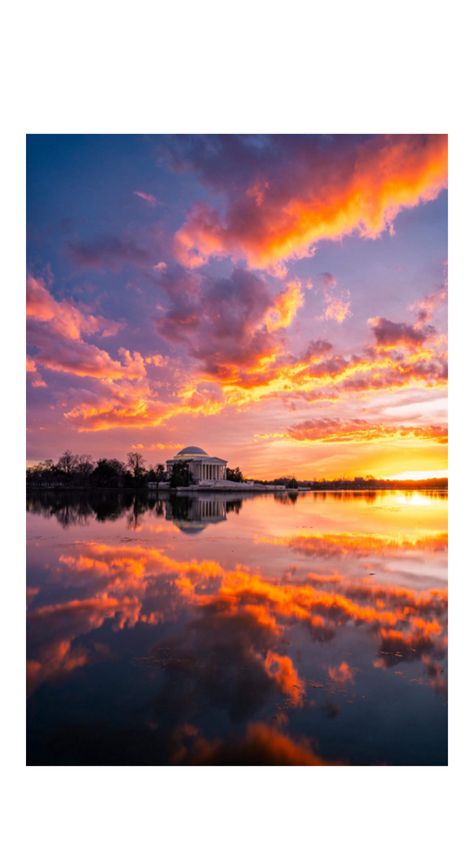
x=363, y=484
x=82, y=472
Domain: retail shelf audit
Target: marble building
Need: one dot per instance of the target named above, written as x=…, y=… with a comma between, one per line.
x=204, y=468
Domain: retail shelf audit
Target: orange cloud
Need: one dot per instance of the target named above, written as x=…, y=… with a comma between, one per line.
x=284, y=308
x=341, y=674
x=282, y=670
x=337, y=310
x=360, y=430
x=358, y=545
x=260, y=746
x=240, y=359
x=358, y=190
x=55, y=658
x=405, y=622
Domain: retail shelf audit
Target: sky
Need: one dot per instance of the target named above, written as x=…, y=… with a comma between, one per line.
x=280, y=300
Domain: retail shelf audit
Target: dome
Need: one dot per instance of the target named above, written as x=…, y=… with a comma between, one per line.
x=192, y=450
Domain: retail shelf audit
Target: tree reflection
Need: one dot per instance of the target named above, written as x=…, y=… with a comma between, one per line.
x=79, y=508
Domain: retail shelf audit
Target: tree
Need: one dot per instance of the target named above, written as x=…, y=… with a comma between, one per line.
x=180, y=475
x=234, y=474
x=160, y=472
x=67, y=463
x=108, y=473
x=84, y=467
x=136, y=464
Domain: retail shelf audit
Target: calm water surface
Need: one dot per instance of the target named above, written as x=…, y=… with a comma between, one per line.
x=304, y=629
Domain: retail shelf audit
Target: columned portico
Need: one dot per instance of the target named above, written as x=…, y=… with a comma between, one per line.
x=204, y=469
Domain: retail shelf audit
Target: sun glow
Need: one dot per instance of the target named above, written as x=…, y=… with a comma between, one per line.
x=403, y=475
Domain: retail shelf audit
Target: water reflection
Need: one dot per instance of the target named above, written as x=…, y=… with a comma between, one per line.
x=310, y=633
x=190, y=513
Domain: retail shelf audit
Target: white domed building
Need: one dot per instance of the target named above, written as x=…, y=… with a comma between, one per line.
x=204, y=469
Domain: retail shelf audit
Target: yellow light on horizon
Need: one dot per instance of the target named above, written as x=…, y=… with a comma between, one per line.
x=419, y=475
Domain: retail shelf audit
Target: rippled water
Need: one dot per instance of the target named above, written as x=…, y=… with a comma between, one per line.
x=270, y=629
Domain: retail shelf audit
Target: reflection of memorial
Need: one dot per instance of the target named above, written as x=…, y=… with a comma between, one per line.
x=193, y=514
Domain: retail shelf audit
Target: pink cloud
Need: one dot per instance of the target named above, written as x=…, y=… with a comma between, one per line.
x=56, y=329
x=336, y=305
x=146, y=197
x=65, y=318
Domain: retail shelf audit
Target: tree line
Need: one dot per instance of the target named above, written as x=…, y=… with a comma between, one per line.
x=81, y=471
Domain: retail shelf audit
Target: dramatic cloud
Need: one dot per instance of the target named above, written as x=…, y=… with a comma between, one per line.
x=82, y=359
x=337, y=545
x=355, y=429
x=63, y=317
x=262, y=349
x=238, y=610
x=278, y=206
x=55, y=332
x=230, y=324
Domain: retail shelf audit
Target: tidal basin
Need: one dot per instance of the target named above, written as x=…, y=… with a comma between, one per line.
x=217, y=629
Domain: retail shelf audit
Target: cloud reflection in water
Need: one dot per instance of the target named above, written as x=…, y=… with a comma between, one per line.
x=242, y=647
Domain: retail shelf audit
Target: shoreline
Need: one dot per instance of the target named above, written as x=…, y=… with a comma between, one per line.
x=219, y=490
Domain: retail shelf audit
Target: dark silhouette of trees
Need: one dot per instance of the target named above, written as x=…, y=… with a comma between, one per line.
x=234, y=474
x=75, y=471
x=84, y=467
x=180, y=475
x=108, y=473
x=160, y=473
x=136, y=465
x=67, y=463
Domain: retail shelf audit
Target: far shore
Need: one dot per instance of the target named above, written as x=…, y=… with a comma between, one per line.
x=242, y=488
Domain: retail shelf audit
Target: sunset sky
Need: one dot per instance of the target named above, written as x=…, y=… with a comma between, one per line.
x=280, y=301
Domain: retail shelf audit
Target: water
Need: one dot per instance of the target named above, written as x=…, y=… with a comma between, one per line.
x=214, y=629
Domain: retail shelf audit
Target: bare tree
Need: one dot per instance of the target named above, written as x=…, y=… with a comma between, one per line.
x=84, y=466
x=67, y=462
x=136, y=464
